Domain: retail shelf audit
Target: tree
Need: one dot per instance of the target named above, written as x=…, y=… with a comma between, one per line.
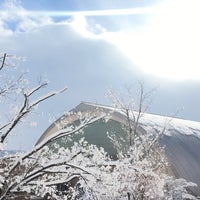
x=14, y=87
x=40, y=171
x=82, y=171
x=143, y=165
x=133, y=110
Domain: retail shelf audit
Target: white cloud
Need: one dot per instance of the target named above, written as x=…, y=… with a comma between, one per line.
x=3, y=30
x=15, y=19
x=167, y=45
x=87, y=28
x=80, y=25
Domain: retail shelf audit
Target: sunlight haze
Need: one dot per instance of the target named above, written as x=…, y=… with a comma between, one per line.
x=92, y=45
x=168, y=45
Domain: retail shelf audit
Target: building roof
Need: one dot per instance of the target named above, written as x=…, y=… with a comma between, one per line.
x=181, y=138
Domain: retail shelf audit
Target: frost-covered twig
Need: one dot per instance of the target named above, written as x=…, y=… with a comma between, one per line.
x=3, y=61
x=61, y=133
x=55, y=136
x=39, y=172
x=27, y=107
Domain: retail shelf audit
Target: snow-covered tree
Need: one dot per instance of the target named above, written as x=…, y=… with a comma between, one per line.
x=83, y=171
x=40, y=172
x=143, y=166
x=17, y=89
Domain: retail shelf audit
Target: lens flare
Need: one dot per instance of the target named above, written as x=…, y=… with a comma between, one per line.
x=108, y=12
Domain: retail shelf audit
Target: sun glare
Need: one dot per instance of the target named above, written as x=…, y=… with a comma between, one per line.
x=169, y=45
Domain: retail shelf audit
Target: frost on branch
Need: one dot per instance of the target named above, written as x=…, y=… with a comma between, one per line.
x=22, y=96
x=42, y=172
x=83, y=171
x=178, y=189
x=86, y=172
x=42, y=169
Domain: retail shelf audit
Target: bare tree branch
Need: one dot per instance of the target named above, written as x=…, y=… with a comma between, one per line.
x=3, y=61
x=29, y=93
x=32, y=175
x=42, y=170
x=55, y=136
x=26, y=108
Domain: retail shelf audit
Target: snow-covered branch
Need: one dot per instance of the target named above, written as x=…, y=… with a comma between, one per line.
x=59, y=134
x=3, y=61
x=28, y=107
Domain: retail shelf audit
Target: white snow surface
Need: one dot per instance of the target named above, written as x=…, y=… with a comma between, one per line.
x=158, y=122
x=185, y=127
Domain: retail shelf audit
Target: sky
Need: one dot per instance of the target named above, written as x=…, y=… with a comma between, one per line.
x=92, y=45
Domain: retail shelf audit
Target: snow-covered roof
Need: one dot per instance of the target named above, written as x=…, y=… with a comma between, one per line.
x=181, y=137
x=185, y=127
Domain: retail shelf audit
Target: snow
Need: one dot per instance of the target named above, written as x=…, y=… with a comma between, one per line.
x=185, y=127
x=96, y=173
x=158, y=122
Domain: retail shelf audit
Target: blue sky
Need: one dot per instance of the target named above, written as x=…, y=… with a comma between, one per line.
x=157, y=42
